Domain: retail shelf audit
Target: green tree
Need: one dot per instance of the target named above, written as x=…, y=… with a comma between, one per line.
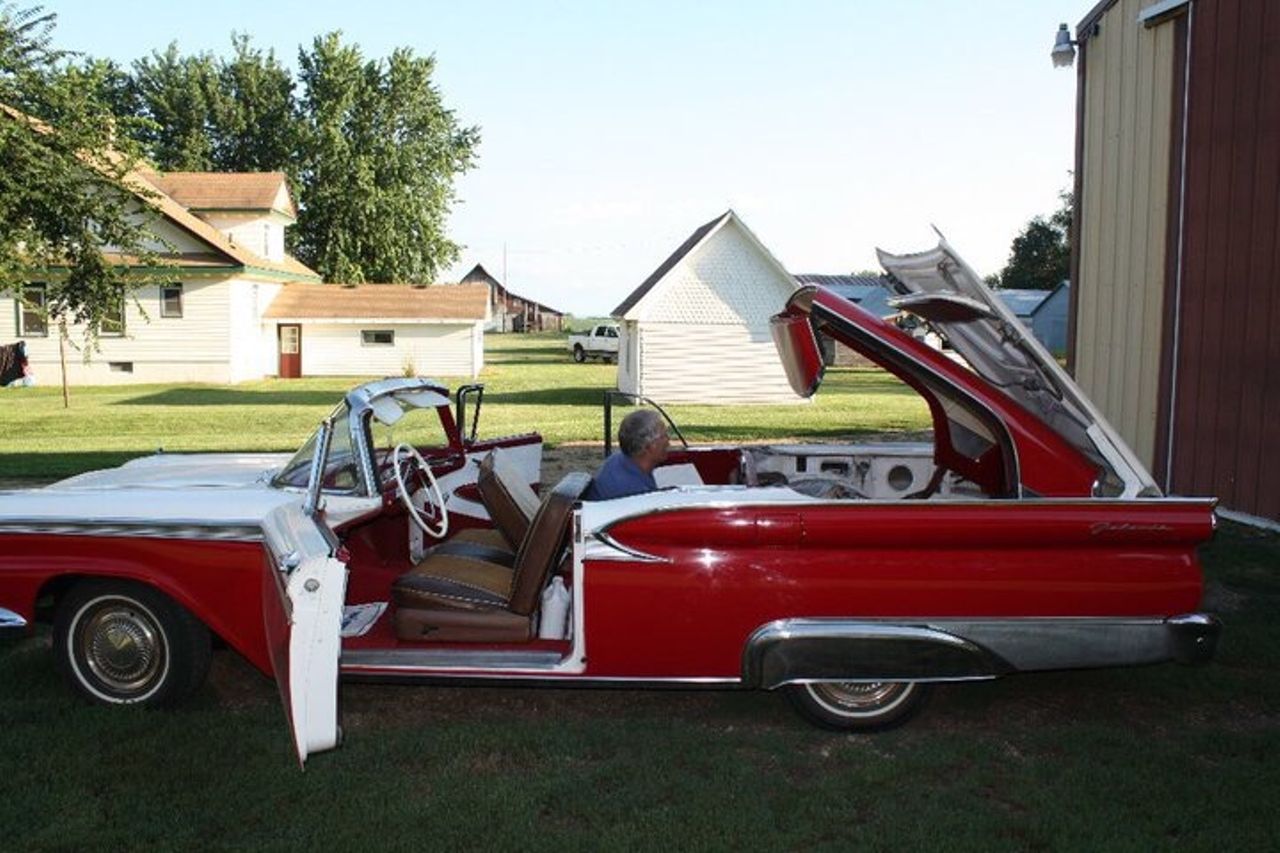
x=178, y=94
x=254, y=120
x=65, y=209
x=378, y=153
x=1040, y=257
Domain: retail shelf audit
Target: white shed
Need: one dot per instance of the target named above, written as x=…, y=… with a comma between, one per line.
x=697, y=329
x=375, y=329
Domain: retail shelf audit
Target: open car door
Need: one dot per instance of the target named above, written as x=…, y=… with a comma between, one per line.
x=303, y=589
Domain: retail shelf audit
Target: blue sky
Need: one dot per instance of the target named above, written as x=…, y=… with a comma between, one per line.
x=612, y=130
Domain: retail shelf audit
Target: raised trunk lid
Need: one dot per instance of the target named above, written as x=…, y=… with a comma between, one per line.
x=940, y=287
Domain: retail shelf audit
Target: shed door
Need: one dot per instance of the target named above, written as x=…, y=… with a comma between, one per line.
x=290, y=351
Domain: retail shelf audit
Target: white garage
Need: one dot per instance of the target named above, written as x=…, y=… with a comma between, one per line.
x=375, y=329
x=697, y=329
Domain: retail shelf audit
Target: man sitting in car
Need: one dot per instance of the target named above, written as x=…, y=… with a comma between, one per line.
x=642, y=446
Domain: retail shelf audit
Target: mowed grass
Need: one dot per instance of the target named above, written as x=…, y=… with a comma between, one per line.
x=1157, y=758
x=531, y=385
x=1143, y=759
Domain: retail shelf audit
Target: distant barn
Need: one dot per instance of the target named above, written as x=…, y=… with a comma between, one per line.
x=510, y=312
x=697, y=329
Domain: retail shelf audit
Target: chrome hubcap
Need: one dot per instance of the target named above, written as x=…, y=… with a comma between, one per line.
x=860, y=697
x=122, y=647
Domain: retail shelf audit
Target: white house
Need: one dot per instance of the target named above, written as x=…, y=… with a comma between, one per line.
x=697, y=329
x=239, y=307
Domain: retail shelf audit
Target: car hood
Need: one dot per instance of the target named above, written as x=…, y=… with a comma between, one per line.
x=941, y=288
x=182, y=470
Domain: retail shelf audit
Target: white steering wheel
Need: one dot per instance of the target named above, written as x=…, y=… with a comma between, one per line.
x=435, y=510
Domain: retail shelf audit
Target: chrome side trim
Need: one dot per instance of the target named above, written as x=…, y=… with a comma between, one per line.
x=947, y=649
x=606, y=547
x=136, y=530
x=11, y=623
x=804, y=650
x=449, y=659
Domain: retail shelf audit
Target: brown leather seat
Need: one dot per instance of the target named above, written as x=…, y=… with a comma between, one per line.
x=511, y=503
x=461, y=597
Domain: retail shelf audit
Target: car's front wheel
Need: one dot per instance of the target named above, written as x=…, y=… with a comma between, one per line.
x=579, y=354
x=858, y=706
x=123, y=643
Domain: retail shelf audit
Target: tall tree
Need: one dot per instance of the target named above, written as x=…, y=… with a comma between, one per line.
x=253, y=113
x=379, y=153
x=66, y=216
x=178, y=94
x=1040, y=257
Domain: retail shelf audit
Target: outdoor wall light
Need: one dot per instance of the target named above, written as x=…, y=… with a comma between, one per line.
x=1064, y=49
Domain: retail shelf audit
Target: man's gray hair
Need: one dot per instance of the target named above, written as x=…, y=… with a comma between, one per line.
x=638, y=430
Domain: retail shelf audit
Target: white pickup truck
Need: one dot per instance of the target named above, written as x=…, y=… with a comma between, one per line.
x=601, y=342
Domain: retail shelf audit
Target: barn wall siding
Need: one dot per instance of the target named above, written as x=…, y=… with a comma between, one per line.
x=1127, y=139
x=1226, y=411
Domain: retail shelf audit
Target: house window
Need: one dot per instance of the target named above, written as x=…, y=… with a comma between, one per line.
x=113, y=321
x=378, y=337
x=171, y=300
x=32, y=322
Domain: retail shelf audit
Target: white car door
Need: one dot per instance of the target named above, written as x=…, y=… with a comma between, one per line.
x=303, y=589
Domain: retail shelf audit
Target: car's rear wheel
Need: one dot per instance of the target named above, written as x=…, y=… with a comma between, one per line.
x=858, y=706
x=123, y=643
x=579, y=354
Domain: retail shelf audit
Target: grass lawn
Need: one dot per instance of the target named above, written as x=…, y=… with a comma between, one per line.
x=1143, y=759
x=531, y=384
x=1157, y=758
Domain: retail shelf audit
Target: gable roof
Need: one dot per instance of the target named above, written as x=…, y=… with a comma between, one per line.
x=696, y=239
x=841, y=280
x=401, y=302
x=479, y=275
x=265, y=191
x=138, y=181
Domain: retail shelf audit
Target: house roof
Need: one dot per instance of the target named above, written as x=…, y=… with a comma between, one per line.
x=699, y=234
x=140, y=181
x=401, y=302
x=265, y=191
x=696, y=239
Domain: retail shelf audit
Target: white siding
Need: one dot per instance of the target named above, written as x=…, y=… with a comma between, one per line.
x=191, y=348
x=720, y=364
x=703, y=331
x=260, y=233
x=628, y=356
x=335, y=349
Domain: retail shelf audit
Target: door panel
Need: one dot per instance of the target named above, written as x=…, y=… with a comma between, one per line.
x=290, y=337
x=303, y=589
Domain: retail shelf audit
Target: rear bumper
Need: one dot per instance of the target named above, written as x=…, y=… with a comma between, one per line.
x=11, y=624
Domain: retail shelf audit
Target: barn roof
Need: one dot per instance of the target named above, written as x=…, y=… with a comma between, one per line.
x=697, y=238
x=1023, y=302
x=401, y=302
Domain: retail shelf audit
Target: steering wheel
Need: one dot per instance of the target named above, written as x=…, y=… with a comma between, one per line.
x=435, y=498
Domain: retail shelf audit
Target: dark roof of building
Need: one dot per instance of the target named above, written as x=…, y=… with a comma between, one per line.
x=666, y=266
x=1023, y=302
x=841, y=280
x=480, y=275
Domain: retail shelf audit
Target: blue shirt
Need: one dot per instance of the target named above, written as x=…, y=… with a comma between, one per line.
x=619, y=477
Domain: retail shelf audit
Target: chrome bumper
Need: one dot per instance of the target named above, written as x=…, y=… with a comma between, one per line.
x=11, y=624
x=949, y=649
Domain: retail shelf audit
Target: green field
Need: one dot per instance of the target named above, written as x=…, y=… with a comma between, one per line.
x=531, y=384
x=1155, y=758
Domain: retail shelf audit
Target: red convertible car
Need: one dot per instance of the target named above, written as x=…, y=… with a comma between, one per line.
x=396, y=545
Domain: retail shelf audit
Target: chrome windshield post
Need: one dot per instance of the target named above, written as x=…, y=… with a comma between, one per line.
x=314, y=482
